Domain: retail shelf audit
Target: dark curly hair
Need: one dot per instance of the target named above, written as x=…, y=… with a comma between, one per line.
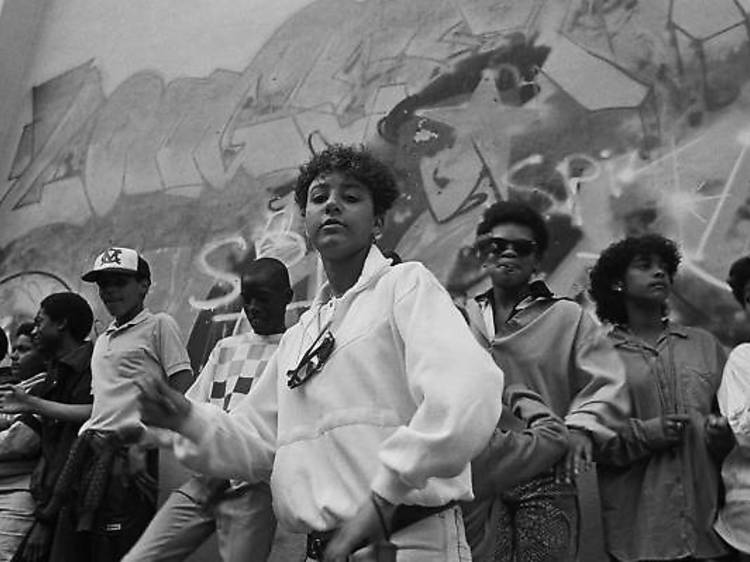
x=73, y=309
x=612, y=264
x=360, y=164
x=516, y=212
x=739, y=275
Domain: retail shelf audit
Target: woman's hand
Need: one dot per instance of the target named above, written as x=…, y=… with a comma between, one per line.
x=365, y=526
x=579, y=457
x=674, y=426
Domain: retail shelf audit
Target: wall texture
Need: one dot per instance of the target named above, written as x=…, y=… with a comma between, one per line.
x=176, y=127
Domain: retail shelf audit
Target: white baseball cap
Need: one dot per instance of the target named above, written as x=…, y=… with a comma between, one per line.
x=120, y=260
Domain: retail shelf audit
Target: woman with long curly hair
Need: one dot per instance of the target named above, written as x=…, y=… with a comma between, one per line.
x=659, y=477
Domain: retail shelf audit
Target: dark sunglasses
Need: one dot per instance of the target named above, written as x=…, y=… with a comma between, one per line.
x=312, y=361
x=489, y=247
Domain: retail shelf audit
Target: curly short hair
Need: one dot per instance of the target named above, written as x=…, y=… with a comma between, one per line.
x=360, y=164
x=516, y=212
x=739, y=275
x=612, y=264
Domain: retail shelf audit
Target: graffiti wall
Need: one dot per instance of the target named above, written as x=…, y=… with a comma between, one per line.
x=610, y=116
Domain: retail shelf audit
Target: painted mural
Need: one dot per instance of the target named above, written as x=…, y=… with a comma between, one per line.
x=610, y=116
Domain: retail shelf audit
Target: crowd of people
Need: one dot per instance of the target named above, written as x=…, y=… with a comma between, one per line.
x=393, y=421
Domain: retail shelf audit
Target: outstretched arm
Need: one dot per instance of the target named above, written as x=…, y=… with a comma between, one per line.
x=15, y=400
x=241, y=445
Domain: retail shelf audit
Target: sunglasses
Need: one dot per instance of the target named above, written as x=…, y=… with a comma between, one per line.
x=312, y=361
x=492, y=246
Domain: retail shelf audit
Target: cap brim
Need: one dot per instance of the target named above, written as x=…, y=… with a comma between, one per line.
x=92, y=276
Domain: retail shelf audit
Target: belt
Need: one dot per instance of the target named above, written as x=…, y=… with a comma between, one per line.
x=403, y=517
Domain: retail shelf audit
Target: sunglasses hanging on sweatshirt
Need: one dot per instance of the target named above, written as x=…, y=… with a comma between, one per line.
x=313, y=360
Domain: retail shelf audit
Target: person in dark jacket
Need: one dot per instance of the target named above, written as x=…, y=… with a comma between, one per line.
x=63, y=403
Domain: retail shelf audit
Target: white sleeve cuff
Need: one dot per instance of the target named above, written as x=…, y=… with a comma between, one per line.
x=388, y=485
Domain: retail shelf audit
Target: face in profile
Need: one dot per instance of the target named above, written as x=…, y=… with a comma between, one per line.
x=25, y=358
x=47, y=333
x=339, y=216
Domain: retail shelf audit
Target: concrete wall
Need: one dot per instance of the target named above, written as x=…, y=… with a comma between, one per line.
x=176, y=126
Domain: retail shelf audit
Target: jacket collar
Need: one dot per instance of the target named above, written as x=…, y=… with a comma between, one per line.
x=375, y=266
x=538, y=289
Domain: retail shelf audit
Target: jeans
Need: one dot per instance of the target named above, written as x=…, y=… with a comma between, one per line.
x=244, y=524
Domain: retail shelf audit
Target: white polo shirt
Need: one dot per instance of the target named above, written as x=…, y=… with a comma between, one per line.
x=153, y=343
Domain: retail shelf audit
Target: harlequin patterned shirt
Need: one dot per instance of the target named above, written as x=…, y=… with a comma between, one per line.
x=232, y=366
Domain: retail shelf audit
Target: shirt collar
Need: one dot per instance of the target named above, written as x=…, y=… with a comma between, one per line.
x=621, y=334
x=80, y=358
x=538, y=290
x=375, y=265
x=137, y=319
x=269, y=338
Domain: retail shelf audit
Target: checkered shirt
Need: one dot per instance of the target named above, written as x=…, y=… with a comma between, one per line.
x=231, y=368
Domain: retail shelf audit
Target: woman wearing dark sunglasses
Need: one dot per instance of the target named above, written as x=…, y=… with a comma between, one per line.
x=553, y=347
x=375, y=402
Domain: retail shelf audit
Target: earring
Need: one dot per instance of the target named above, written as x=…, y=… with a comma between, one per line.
x=617, y=288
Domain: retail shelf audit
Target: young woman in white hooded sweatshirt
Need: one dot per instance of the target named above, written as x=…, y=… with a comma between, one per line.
x=374, y=404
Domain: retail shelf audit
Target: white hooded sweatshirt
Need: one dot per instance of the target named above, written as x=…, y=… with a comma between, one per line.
x=405, y=401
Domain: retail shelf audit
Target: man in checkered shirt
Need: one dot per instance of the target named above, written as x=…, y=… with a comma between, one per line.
x=240, y=513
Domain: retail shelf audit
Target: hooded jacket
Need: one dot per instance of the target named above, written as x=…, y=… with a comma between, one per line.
x=406, y=399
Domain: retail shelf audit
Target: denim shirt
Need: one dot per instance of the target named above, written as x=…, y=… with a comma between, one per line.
x=660, y=501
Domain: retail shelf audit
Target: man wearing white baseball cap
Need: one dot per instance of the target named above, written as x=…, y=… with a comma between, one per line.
x=109, y=483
